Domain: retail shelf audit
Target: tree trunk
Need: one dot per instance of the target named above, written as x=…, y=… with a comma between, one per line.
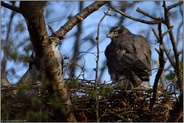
x=48, y=64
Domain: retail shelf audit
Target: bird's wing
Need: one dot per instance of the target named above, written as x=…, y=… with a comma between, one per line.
x=120, y=55
x=142, y=66
x=143, y=50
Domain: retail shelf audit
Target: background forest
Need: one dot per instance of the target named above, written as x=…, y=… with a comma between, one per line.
x=93, y=97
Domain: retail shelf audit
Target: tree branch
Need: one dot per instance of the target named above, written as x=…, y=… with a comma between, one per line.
x=79, y=17
x=168, y=56
x=174, y=5
x=161, y=67
x=178, y=68
x=146, y=14
x=14, y=8
x=155, y=33
x=164, y=46
x=97, y=63
x=176, y=65
x=137, y=19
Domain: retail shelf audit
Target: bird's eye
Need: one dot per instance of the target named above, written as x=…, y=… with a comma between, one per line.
x=116, y=32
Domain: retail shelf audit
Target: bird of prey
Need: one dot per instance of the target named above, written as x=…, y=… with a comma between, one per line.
x=128, y=56
x=34, y=71
x=35, y=74
x=54, y=43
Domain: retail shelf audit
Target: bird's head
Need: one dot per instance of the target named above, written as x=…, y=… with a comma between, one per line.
x=54, y=41
x=115, y=31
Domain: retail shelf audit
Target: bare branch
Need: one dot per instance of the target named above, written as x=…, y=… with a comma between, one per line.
x=163, y=45
x=98, y=38
x=155, y=33
x=78, y=18
x=173, y=42
x=136, y=19
x=167, y=31
x=146, y=14
x=97, y=61
x=174, y=5
x=168, y=56
x=161, y=68
x=14, y=8
x=52, y=30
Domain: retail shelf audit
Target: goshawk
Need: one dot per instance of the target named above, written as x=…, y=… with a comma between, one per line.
x=35, y=73
x=128, y=56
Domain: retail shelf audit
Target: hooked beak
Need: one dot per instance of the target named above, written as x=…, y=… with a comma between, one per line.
x=108, y=36
x=59, y=43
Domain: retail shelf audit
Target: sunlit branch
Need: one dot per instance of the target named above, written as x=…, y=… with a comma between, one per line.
x=78, y=18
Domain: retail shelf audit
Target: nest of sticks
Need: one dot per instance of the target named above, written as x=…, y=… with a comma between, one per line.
x=104, y=103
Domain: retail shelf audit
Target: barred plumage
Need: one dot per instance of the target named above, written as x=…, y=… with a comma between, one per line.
x=57, y=54
x=33, y=70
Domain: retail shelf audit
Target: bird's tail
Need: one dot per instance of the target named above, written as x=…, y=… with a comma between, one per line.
x=139, y=83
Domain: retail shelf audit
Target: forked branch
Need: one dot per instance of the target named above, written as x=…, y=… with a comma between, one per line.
x=78, y=18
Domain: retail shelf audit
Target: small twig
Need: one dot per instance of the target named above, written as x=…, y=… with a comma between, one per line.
x=155, y=33
x=157, y=50
x=97, y=61
x=136, y=19
x=52, y=30
x=107, y=13
x=167, y=31
x=103, y=113
x=164, y=46
x=168, y=56
x=14, y=8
